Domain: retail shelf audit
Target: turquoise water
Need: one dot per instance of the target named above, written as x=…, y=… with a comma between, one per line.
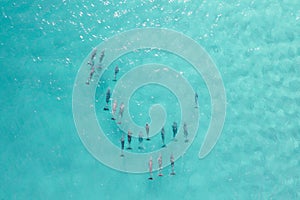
x=255, y=46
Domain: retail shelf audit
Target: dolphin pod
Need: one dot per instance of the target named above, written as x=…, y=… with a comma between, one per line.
x=88, y=127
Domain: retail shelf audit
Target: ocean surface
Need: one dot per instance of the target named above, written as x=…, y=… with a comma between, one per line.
x=255, y=45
